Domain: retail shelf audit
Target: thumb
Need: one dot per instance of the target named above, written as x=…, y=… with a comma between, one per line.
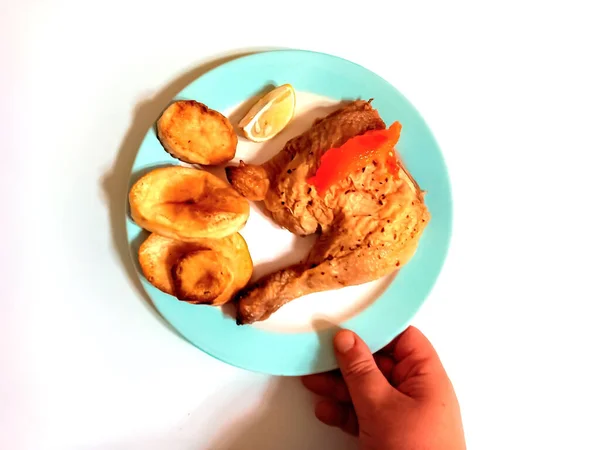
x=419, y=372
x=366, y=383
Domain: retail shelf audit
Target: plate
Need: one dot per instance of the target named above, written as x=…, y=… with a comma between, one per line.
x=296, y=340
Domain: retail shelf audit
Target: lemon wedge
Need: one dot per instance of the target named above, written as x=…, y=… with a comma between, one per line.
x=269, y=115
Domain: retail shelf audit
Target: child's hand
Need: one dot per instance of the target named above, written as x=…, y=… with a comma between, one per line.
x=402, y=399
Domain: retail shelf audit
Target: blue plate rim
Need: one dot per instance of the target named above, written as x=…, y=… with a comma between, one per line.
x=326, y=362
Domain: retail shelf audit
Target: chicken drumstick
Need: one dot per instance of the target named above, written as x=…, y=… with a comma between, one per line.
x=369, y=222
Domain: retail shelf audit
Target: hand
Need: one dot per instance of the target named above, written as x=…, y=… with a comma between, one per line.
x=401, y=399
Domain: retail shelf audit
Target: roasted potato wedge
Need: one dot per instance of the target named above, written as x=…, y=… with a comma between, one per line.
x=209, y=271
x=201, y=276
x=158, y=255
x=192, y=132
x=187, y=204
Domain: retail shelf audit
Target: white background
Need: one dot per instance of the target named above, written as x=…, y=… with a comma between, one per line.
x=511, y=91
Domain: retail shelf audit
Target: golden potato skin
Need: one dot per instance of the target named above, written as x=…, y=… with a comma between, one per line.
x=187, y=204
x=158, y=254
x=210, y=271
x=202, y=276
x=193, y=133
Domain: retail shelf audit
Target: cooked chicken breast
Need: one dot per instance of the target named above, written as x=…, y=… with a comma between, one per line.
x=369, y=223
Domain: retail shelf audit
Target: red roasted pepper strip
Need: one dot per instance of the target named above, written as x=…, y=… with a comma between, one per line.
x=355, y=154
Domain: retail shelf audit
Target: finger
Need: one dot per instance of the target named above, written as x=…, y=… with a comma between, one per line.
x=328, y=384
x=386, y=364
x=412, y=342
x=337, y=415
x=389, y=349
x=366, y=383
x=416, y=359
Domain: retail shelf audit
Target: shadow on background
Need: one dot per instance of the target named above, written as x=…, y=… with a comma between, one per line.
x=284, y=420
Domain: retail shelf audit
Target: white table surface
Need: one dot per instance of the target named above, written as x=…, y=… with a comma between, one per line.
x=511, y=91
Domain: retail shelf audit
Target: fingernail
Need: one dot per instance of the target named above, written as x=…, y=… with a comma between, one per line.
x=344, y=341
